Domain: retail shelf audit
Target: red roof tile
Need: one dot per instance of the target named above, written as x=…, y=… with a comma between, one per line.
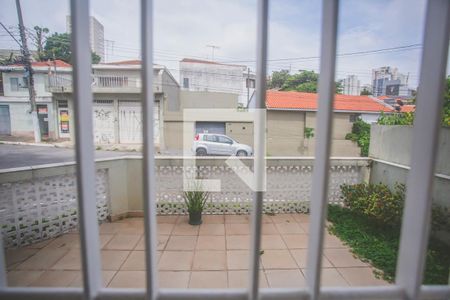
x=125, y=62
x=308, y=101
x=49, y=63
x=407, y=108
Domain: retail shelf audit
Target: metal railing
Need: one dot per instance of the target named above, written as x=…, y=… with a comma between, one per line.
x=99, y=83
x=415, y=227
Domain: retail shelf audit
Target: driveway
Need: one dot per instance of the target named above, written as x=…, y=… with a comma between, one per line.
x=16, y=156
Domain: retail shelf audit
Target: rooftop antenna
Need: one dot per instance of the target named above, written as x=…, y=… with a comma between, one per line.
x=213, y=47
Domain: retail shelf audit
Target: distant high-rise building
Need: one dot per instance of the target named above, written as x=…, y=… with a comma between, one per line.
x=97, y=36
x=388, y=81
x=351, y=85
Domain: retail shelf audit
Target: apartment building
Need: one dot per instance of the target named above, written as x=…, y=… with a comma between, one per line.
x=351, y=85
x=96, y=34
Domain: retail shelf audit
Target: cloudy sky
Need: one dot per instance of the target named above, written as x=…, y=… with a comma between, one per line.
x=183, y=28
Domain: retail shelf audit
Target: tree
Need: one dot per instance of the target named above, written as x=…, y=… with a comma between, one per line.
x=39, y=38
x=57, y=46
x=365, y=92
x=278, y=79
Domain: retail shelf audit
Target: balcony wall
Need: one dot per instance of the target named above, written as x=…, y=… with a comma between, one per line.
x=41, y=202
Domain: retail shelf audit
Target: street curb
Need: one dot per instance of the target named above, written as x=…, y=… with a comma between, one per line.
x=27, y=144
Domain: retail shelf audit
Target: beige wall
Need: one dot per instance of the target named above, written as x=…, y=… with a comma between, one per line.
x=240, y=131
x=285, y=133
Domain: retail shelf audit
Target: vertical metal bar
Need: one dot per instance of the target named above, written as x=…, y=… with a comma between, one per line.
x=149, y=149
x=416, y=215
x=259, y=157
x=3, y=280
x=319, y=191
x=84, y=147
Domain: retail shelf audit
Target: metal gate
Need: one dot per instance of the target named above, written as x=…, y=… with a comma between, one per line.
x=103, y=115
x=5, y=120
x=210, y=127
x=415, y=227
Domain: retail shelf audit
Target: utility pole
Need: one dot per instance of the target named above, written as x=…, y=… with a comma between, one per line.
x=248, y=86
x=213, y=47
x=29, y=75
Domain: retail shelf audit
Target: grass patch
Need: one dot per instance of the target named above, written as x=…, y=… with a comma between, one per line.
x=378, y=245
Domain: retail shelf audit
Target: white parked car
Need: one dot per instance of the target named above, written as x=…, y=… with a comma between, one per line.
x=219, y=144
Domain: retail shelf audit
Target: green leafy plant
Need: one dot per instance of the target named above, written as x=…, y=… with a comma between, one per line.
x=379, y=244
x=195, y=200
x=405, y=118
x=361, y=135
x=309, y=132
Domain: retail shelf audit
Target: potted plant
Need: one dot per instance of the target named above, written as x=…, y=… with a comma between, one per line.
x=195, y=201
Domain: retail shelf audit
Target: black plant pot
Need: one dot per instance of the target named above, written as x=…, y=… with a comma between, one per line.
x=195, y=218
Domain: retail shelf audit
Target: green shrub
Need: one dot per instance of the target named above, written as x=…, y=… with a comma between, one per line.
x=385, y=207
x=361, y=135
x=405, y=118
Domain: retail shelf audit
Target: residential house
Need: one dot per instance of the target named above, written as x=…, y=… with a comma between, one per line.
x=15, y=107
x=291, y=122
x=209, y=76
x=117, y=108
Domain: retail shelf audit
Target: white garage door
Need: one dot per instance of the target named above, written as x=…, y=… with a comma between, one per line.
x=130, y=122
x=104, y=122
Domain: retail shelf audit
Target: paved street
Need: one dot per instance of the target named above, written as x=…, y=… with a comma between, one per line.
x=15, y=156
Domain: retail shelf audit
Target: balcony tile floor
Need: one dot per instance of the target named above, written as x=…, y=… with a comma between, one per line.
x=212, y=255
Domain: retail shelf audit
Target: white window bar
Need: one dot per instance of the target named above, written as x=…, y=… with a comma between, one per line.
x=260, y=155
x=84, y=146
x=416, y=215
x=319, y=189
x=148, y=149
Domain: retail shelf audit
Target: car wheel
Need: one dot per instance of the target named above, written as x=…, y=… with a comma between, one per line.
x=241, y=153
x=201, y=152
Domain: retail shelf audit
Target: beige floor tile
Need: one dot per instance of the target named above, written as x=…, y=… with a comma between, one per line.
x=176, y=260
x=167, y=219
x=330, y=277
x=283, y=218
x=361, y=277
x=211, y=242
x=213, y=219
x=305, y=227
x=332, y=241
x=343, y=258
x=134, y=262
x=43, y=260
x=17, y=256
x=266, y=219
x=285, y=278
x=128, y=279
x=238, y=259
x=122, y=242
x=238, y=242
x=296, y=241
x=112, y=260
x=162, y=241
x=106, y=279
x=212, y=229
x=208, y=279
x=289, y=228
x=39, y=245
x=185, y=229
x=237, y=219
x=164, y=228
x=22, y=278
x=272, y=242
x=184, y=219
x=209, y=260
x=237, y=229
x=55, y=279
x=70, y=261
x=269, y=228
x=277, y=259
x=239, y=279
x=65, y=241
x=301, y=218
x=182, y=242
x=300, y=256
x=174, y=280
x=111, y=228
x=132, y=230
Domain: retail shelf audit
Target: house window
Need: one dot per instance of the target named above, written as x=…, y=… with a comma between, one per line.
x=14, y=82
x=186, y=83
x=250, y=83
x=354, y=117
x=24, y=83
